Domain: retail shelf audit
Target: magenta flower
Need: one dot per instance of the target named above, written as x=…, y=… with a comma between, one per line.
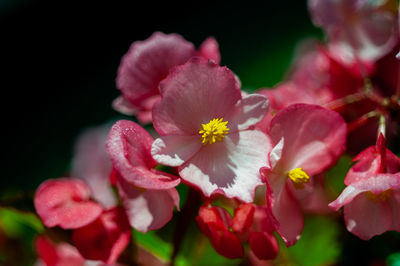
x=366, y=28
x=66, y=203
x=147, y=63
x=371, y=199
x=307, y=140
x=148, y=195
x=204, y=126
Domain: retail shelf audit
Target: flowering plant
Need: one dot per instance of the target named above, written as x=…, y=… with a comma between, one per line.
x=247, y=169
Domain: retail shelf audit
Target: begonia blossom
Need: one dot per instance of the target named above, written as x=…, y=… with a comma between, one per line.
x=359, y=29
x=147, y=194
x=92, y=164
x=66, y=203
x=105, y=238
x=307, y=140
x=204, y=126
x=147, y=63
x=371, y=199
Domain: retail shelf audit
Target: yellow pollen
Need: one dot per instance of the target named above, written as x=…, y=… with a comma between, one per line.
x=378, y=197
x=213, y=131
x=299, y=177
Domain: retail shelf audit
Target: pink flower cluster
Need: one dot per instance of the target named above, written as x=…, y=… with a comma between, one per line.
x=265, y=154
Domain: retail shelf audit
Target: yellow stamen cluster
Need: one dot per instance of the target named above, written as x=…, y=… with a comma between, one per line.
x=213, y=131
x=378, y=197
x=299, y=177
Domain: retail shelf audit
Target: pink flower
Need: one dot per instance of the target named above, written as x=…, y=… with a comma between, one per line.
x=204, y=126
x=66, y=203
x=92, y=164
x=105, y=238
x=60, y=254
x=371, y=199
x=148, y=195
x=357, y=28
x=307, y=140
x=147, y=63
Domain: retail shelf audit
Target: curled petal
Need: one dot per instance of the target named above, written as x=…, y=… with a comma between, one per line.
x=147, y=209
x=129, y=145
x=347, y=195
x=66, y=203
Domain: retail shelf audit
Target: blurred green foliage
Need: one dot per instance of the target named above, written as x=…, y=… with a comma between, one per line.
x=18, y=229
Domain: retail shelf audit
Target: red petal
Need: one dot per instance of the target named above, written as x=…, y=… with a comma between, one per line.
x=226, y=243
x=209, y=49
x=243, y=217
x=264, y=245
x=105, y=238
x=66, y=203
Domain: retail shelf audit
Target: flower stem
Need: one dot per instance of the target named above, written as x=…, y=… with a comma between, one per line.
x=185, y=216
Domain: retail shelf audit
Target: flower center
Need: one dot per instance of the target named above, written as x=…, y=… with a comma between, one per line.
x=299, y=177
x=213, y=131
x=378, y=197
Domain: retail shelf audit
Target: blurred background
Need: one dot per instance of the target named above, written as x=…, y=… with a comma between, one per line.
x=60, y=59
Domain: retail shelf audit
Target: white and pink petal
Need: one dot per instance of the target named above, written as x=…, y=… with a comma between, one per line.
x=147, y=209
x=366, y=218
x=175, y=150
x=230, y=167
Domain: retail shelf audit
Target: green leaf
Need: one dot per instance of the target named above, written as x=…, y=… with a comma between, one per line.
x=393, y=259
x=17, y=223
x=20, y=229
x=335, y=176
x=318, y=244
x=154, y=244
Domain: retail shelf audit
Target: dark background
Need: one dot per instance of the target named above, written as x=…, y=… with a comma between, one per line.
x=60, y=60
